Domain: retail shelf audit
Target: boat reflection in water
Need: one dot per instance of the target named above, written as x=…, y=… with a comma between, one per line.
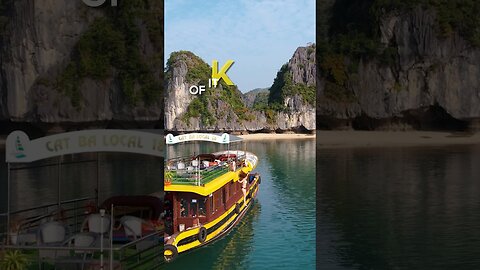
x=236, y=247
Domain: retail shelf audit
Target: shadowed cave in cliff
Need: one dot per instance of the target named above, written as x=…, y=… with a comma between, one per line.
x=428, y=118
x=433, y=118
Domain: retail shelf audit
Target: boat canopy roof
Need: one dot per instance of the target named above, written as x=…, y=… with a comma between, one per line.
x=20, y=149
x=223, y=138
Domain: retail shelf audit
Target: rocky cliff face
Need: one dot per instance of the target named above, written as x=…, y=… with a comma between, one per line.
x=40, y=43
x=178, y=96
x=299, y=99
x=226, y=109
x=432, y=81
x=303, y=66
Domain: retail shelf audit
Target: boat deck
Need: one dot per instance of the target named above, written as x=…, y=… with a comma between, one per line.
x=199, y=171
x=197, y=176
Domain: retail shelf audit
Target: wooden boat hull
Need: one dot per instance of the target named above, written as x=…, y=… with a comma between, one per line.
x=212, y=231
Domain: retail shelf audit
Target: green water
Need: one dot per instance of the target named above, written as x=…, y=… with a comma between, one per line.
x=279, y=231
x=399, y=208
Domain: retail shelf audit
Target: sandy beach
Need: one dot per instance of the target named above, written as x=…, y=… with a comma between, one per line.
x=331, y=139
x=275, y=136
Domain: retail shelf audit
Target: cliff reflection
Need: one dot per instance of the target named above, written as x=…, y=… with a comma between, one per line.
x=399, y=208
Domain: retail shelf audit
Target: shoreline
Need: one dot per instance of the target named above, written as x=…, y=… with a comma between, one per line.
x=345, y=139
x=350, y=138
x=276, y=136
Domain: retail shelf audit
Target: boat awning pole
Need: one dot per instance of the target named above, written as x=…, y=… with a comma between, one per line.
x=198, y=165
x=8, y=202
x=245, y=152
x=58, y=180
x=228, y=154
x=98, y=183
x=102, y=216
x=111, y=236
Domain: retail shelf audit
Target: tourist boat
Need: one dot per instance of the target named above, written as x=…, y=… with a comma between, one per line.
x=204, y=199
x=123, y=232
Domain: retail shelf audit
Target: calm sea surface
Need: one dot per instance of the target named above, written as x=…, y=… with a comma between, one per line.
x=398, y=208
x=279, y=231
x=378, y=208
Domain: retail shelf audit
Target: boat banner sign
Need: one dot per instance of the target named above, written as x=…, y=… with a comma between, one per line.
x=20, y=149
x=224, y=138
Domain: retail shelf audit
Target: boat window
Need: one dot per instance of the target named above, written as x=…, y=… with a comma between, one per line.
x=212, y=208
x=193, y=207
x=202, y=211
x=218, y=199
x=224, y=195
x=183, y=208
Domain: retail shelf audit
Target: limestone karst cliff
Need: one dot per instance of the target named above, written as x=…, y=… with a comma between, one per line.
x=256, y=96
x=399, y=65
x=64, y=62
x=288, y=105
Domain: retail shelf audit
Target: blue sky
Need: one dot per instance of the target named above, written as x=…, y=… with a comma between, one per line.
x=259, y=35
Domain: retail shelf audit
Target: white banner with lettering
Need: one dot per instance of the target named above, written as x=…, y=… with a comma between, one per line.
x=20, y=149
x=224, y=138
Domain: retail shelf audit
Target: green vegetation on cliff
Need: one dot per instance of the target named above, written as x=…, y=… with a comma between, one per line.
x=261, y=101
x=198, y=71
x=110, y=49
x=216, y=103
x=204, y=106
x=200, y=107
x=275, y=99
x=350, y=32
x=284, y=86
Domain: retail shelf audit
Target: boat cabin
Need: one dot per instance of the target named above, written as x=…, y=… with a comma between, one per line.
x=189, y=210
x=200, y=192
